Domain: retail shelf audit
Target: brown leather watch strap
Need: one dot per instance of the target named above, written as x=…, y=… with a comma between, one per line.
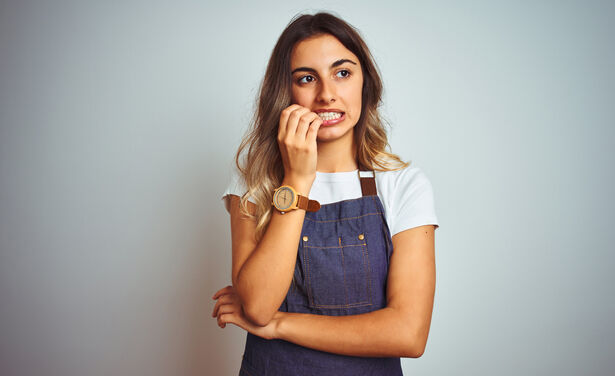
x=307, y=204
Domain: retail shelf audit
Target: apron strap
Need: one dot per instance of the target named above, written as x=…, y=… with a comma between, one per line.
x=368, y=181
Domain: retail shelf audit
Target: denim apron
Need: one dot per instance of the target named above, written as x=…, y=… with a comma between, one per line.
x=341, y=269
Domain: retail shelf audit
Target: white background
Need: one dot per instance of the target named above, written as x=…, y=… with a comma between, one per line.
x=119, y=124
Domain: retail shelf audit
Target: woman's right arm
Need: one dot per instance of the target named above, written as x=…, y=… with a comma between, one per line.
x=262, y=272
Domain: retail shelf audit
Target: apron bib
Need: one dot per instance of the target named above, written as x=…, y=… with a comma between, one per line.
x=341, y=269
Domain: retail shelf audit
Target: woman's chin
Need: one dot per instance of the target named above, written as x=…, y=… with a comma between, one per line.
x=330, y=134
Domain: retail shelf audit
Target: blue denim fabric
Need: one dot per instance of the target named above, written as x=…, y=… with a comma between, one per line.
x=341, y=269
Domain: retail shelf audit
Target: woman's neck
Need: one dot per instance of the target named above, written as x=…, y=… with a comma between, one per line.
x=337, y=156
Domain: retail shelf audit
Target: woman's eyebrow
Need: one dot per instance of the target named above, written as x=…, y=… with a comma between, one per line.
x=335, y=64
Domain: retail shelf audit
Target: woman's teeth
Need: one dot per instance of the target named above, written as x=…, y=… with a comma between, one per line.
x=330, y=115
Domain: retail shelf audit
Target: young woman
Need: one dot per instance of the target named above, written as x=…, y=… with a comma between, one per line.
x=333, y=269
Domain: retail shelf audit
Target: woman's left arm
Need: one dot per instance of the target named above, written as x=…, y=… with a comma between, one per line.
x=399, y=329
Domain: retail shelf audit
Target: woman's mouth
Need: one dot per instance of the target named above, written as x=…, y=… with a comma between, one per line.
x=330, y=118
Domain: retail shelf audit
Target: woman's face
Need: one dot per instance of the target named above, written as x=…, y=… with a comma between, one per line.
x=327, y=76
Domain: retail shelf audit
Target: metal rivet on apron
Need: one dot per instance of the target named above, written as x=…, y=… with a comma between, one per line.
x=305, y=238
x=361, y=236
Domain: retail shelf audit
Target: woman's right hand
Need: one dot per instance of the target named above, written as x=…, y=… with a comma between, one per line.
x=297, y=141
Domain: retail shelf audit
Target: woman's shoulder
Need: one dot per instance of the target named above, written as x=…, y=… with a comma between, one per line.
x=235, y=186
x=403, y=178
x=407, y=196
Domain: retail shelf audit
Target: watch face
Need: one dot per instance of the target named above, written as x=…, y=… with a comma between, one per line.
x=284, y=198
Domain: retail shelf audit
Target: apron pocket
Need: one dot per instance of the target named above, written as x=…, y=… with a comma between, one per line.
x=337, y=272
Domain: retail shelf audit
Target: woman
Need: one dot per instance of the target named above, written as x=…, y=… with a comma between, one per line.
x=343, y=284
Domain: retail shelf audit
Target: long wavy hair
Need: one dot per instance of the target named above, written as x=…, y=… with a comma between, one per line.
x=258, y=158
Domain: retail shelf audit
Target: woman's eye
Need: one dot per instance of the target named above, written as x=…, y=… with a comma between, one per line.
x=308, y=79
x=302, y=79
x=347, y=73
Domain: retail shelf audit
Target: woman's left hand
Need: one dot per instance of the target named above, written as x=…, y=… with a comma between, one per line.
x=228, y=309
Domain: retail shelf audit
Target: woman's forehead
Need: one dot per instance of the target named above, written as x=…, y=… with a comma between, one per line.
x=319, y=52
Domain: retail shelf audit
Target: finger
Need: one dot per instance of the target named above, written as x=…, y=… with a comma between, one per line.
x=227, y=318
x=293, y=121
x=304, y=125
x=313, y=131
x=222, y=291
x=223, y=319
x=235, y=319
x=223, y=300
x=226, y=308
x=217, y=293
x=284, y=119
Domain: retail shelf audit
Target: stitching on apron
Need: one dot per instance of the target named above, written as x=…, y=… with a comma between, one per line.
x=343, y=246
x=343, y=270
x=306, y=256
x=368, y=271
x=342, y=219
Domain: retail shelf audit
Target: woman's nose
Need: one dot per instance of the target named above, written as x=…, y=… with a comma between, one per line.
x=326, y=93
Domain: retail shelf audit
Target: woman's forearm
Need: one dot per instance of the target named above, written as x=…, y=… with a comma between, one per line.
x=264, y=279
x=381, y=333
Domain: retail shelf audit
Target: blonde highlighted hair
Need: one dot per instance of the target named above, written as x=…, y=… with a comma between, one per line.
x=258, y=157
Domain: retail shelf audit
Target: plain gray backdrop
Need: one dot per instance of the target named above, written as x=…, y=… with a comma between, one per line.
x=119, y=124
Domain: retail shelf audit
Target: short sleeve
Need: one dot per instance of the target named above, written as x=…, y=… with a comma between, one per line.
x=413, y=201
x=236, y=187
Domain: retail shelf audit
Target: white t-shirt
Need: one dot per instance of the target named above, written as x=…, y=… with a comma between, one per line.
x=406, y=195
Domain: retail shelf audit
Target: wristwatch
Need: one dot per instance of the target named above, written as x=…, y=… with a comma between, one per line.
x=285, y=199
